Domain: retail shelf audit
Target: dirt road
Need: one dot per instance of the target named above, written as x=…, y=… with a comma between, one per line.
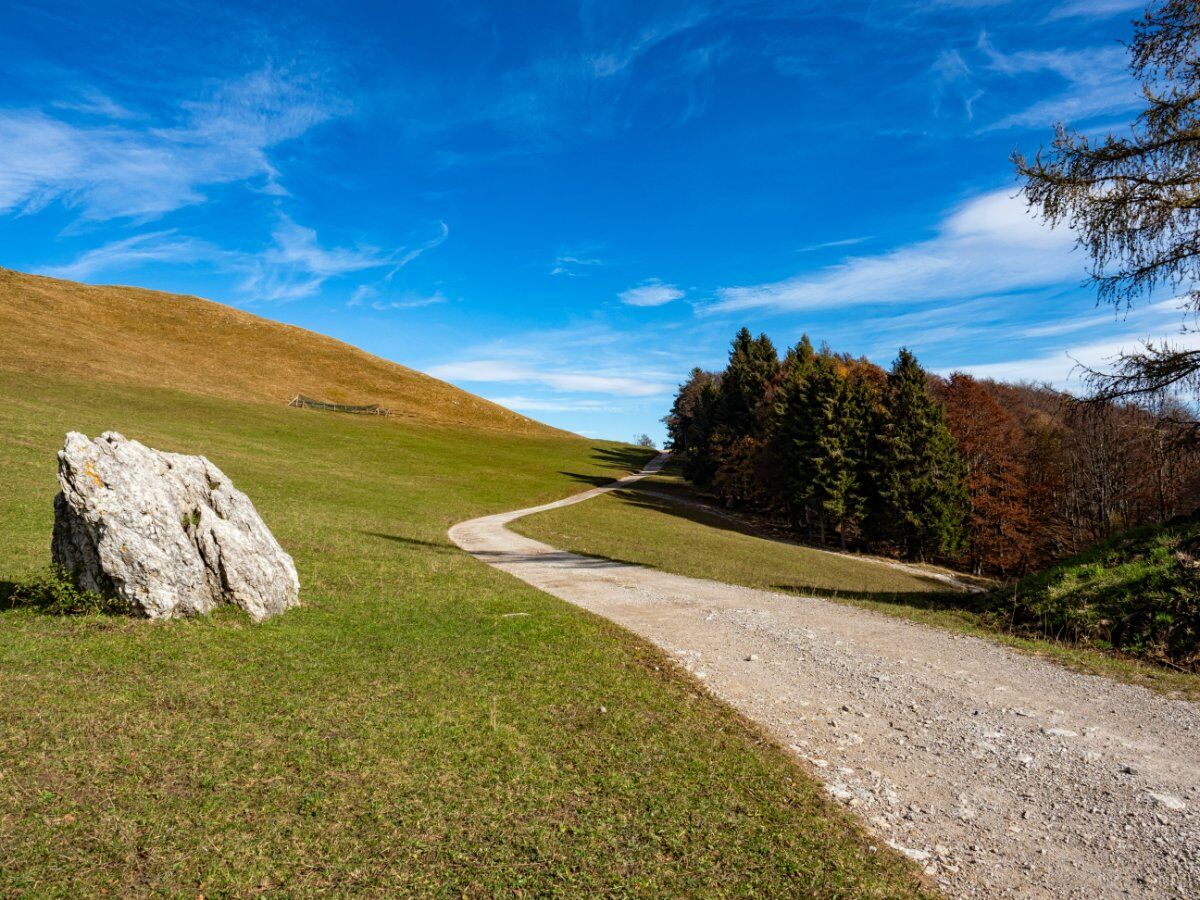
x=1002, y=774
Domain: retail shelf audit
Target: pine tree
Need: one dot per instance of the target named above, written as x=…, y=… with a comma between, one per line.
x=692, y=422
x=743, y=417
x=843, y=407
x=771, y=467
x=820, y=439
x=792, y=434
x=822, y=444
x=753, y=365
x=920, y=498
x=799, y=357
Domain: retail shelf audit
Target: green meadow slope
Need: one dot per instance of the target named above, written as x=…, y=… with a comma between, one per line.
x=422, y=724
x=1138, y=592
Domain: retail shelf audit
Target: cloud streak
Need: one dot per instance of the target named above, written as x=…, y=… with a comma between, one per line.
x=1059, y=366
x=651, y=293
x=153, y=247
x=1094, y=9
x=987, y=245
x=830, y=245
x=575, y=263
x=503, y=371
x=294, y=266
x=121, y=169
x=1098, y=83
x=1062, y=368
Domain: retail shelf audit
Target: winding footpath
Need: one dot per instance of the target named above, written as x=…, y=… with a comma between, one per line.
x=1002, y=774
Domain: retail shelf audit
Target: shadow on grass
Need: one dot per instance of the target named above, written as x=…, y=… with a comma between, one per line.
x=411, y=542
x=934, y=601
x=558, y=557
x=627, y=459
x=591, y=480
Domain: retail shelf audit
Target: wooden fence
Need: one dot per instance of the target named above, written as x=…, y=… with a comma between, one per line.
x=371, y=409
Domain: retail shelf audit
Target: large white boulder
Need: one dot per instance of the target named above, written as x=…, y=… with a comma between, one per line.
x=167, y=533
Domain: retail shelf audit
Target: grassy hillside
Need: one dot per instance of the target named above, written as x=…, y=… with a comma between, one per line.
x=1121, y=579
x=130, y=336
x=423, y=724
x=1138, y=593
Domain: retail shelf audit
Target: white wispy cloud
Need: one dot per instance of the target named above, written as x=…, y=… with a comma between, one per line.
x=372, y=295
x=1064, y=368
x=829, y=245
x=1155, y=319
x=1065, y=326
x=591, y=82
x=498, y=371
x=987, y=245
x=94, y=103
x=952, y=78
x=404, y=256
x=965, y=4
x=577, y=362
x=1098, y=83
x=117, y=168
x=618, y=57
x=925, y=328
x=362, y=294
x=296, y=264
x=128, y=253
x=1094, y=9
x=522, y=403
x=1060, y=365
x=651, y=293
x=411, y=301
x=574, y=263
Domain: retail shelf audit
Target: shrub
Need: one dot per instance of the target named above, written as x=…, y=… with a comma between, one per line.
x=55, y=593
x=1138, y=594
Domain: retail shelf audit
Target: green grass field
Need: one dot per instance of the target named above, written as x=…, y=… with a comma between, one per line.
x=640, y=525
x=397, y=734
x=635, y=525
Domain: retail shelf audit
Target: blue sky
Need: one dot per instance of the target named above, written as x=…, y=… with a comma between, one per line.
x=565, y=206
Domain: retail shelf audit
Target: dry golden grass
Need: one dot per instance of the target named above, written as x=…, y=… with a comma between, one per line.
x=132, y=336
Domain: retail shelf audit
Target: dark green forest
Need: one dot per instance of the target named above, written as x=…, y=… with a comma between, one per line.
x=997, y=478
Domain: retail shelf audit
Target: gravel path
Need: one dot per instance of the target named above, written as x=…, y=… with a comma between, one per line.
x=1004, y=775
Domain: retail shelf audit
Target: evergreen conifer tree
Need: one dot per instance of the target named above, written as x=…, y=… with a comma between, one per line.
x=792, y=432
x=753, y=365
x=841, y=404
x=739, y=438
x=692, y=422
x=920, y=495
x=800, y=356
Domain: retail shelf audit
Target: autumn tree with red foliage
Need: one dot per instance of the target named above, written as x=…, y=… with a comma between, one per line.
x=990, y=441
